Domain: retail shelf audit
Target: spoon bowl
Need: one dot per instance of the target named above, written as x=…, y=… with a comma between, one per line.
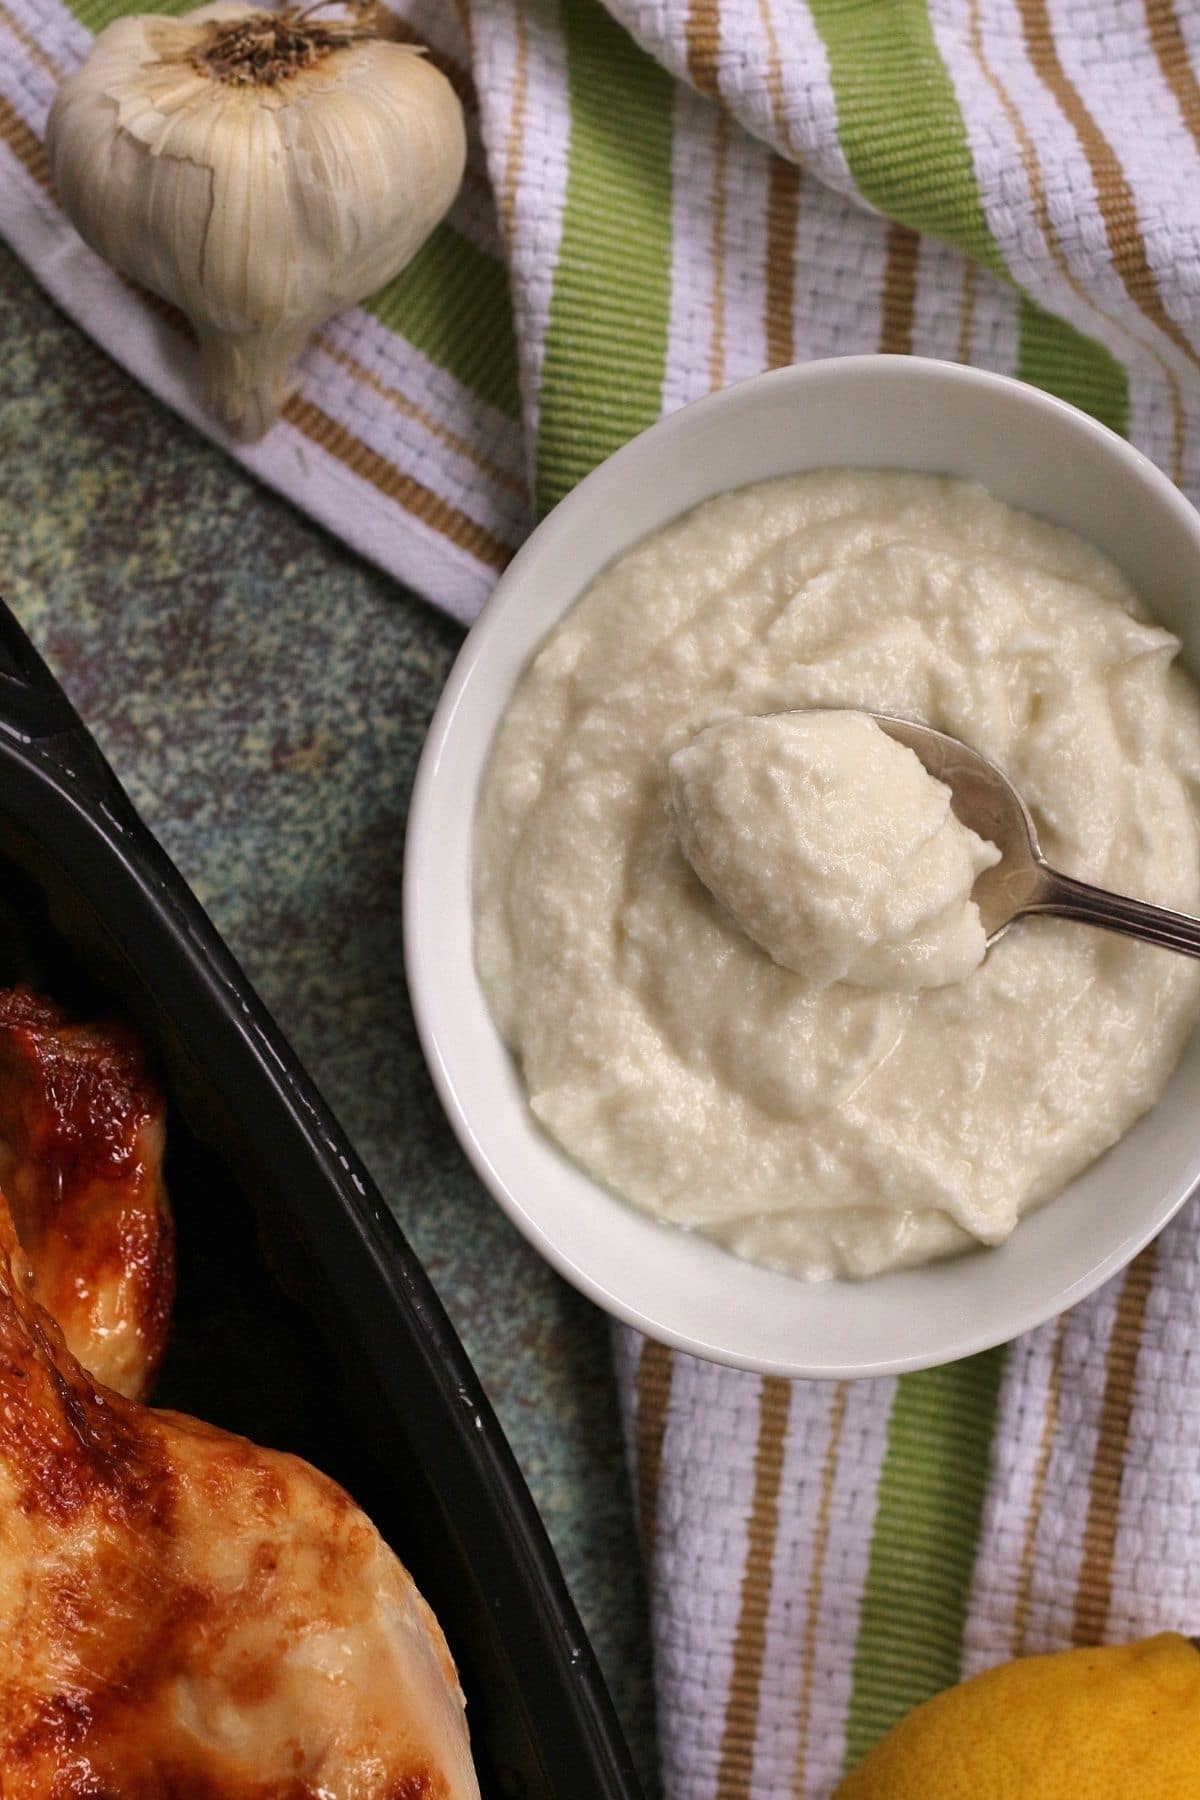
x=1023, y=882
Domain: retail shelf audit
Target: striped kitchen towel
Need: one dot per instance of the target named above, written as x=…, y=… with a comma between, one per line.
x=662, y=197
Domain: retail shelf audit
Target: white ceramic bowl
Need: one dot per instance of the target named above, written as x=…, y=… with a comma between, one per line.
x=875, y=412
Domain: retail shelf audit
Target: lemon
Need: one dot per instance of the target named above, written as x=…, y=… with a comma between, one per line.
x=1115, y=1724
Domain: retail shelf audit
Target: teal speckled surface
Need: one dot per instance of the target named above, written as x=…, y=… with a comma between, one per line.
x=263, y=696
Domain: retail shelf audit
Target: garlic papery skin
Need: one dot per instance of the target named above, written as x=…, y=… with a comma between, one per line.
x=260, y=171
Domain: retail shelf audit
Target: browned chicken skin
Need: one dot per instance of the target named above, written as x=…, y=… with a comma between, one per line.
x=184, y=1616
x=81, y=1148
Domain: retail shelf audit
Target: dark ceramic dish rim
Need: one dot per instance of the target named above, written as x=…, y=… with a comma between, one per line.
x=57, y=789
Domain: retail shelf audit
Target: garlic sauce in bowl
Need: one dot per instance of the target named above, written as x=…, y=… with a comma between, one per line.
x=808, y=451
x=837, y=1117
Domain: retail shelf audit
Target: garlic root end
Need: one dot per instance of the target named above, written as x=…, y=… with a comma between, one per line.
x=247, y=379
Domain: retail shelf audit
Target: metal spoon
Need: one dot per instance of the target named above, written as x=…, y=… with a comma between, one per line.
x=1022, y=881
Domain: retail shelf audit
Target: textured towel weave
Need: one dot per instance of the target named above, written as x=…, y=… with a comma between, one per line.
x=1014, y=183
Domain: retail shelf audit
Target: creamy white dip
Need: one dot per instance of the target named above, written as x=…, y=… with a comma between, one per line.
x=832, y=847
x=806, y=1121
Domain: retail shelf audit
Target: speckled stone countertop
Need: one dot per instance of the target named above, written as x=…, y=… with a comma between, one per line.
x=263, y=696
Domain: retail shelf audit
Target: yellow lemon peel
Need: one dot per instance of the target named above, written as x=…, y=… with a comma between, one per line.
x=1108, y=1724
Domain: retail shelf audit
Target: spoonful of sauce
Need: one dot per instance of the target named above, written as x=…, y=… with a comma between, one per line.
x=1022, y=882
x=832, y=848
x=864, y=848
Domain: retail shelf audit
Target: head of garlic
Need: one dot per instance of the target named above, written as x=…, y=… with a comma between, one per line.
x=259, y=170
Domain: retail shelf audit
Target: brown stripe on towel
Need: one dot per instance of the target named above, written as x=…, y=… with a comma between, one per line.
x=899, y=290
x=656, y=1370
x=741, y=1711
x=1094, y=1590
x=816, y=1586
x=1173, y=60
x=1037, y=1492
x=702, y=34
x=783, y=212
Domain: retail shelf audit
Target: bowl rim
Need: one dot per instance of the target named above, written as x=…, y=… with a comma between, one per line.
x=421, y=838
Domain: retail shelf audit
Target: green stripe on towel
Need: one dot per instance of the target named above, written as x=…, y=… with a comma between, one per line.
x=452, y=303
x=1054, y=356
x=927, y=1518
x=606, y=345
x=96, y=14
x=899, y=121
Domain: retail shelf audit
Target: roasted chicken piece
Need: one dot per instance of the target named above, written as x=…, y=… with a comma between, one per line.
x=184, y=1616
x=81, y=1148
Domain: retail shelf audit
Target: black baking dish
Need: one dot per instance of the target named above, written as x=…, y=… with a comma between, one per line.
x=304, y=1319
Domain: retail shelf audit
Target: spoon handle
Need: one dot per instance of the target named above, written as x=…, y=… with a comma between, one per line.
x=1065, y=898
